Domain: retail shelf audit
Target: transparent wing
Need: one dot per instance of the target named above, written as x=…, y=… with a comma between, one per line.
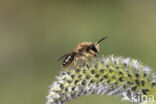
x=65, y=55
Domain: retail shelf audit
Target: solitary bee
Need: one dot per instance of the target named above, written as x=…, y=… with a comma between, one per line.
x=83, y=50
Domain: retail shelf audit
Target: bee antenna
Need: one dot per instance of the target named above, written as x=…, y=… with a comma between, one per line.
x=102, y=39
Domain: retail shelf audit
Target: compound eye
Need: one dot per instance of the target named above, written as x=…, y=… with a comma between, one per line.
x=92, y=47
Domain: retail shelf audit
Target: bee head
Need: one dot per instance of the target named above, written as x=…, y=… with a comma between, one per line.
x=94, y=48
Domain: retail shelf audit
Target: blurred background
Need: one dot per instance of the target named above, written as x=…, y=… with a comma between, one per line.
x=35, y=33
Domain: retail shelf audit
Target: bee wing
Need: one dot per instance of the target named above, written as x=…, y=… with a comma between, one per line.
x=68, y=54
x=65, y=55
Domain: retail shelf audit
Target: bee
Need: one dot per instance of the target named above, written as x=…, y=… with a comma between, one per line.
x=83, y=51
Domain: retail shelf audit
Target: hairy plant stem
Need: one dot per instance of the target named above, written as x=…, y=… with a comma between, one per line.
x=110, y=75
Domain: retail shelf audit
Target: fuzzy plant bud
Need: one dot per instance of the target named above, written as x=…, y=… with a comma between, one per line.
x=123, y=77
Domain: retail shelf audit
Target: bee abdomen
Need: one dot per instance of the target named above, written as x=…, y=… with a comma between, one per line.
x=68, y=60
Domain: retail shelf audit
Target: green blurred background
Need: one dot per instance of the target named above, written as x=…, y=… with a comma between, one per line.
x=34, y=34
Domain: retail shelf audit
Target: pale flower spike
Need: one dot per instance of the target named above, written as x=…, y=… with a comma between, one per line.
x=124, y=77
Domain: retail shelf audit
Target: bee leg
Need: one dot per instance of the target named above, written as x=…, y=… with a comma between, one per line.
x=75, y=64
x=86, y=61
x=94, y=58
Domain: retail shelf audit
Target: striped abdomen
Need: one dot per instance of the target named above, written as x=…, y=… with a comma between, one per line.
x=68, y=60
